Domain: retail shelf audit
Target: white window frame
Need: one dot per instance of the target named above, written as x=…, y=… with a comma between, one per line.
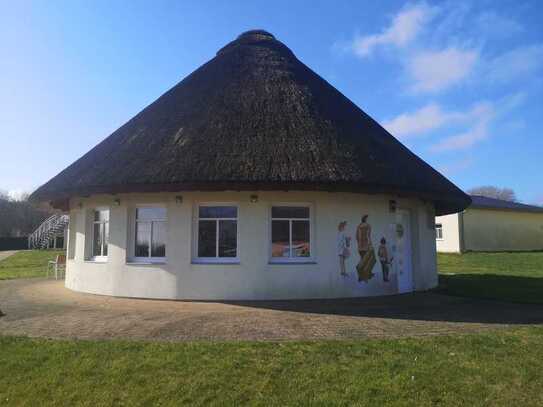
x=94, y=222
x=214, y=260
x=148, y=259
x=292, y=260
x=439, y=226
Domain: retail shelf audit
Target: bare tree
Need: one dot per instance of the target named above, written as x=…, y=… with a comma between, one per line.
x=505, y=194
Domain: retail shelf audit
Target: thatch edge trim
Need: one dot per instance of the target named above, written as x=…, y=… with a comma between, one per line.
x=443, y=206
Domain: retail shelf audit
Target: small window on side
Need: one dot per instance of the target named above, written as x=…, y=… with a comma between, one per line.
x=439, y=231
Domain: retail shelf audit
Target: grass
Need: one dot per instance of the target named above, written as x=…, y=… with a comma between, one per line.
x=501, y=368
x=25, y=264
x=514, y=277
x=484, y=369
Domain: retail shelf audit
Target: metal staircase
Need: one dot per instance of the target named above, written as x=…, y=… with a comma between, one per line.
x=51, y=227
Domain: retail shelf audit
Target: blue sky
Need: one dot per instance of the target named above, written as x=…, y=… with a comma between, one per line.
x=460, y=83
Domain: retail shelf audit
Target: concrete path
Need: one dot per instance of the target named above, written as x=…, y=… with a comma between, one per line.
x=44, y=308
x=5, y=254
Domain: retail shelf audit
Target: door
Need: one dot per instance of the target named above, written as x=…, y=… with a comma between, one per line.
x=404, y=261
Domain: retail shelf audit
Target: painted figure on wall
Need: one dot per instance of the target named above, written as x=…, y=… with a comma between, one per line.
x=365, y=249
x=343, y=244
x=384, y=259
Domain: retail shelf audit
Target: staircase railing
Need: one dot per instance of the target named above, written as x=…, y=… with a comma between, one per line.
x=54, y=224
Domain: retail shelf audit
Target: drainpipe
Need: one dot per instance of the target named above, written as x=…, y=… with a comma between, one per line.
x=461, y=231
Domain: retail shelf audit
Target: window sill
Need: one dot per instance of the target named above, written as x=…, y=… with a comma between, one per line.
x=215, y=261
x=283, y=262
x=143, y=262
x=100, y=261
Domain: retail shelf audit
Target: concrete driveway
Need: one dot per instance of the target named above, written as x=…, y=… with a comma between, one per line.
x=44, y=308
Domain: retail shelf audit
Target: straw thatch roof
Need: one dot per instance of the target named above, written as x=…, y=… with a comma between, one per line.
x=253, y=118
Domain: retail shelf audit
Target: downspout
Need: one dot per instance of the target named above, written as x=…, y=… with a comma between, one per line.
x=461, y=231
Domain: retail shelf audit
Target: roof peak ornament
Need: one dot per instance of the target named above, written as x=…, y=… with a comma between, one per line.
x=257, y=35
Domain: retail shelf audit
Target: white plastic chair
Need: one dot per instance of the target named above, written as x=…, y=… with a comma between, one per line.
x=57, y=265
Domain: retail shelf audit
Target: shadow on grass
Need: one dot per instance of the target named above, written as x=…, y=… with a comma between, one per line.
x=493, y=286
x=460, y=298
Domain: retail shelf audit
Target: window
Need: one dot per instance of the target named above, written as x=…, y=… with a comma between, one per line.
x=217, y=232
x=439, y=231
x=100, y=233
x=290, y=233
x=150, y=239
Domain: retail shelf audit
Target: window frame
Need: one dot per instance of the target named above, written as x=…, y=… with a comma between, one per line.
x=92, y=257
x=291, y=260
x=148, y=259
x=439, y=226
x=196, y=222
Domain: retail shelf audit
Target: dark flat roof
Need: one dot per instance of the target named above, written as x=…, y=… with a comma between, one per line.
x=478, y=201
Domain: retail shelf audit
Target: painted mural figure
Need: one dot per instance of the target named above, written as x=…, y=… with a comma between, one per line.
x=343, y=244
x=365, y=249
x=385, y=261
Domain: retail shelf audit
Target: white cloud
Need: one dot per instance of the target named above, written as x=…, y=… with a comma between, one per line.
x=498, y=26
x=429, y=118
x=456, y=166
x=434, y=71
x=464, y=140
x=482, y=116
x=441, y=46
x=405, y=26
x=475, y=121
x=518, y=63
x=511, y=102
x=419, y=122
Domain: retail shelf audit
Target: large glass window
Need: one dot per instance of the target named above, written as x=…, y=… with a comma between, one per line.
x=290, y=234
x=217, y=232
x=100, y=233
x=439, y=231
x=150, y=241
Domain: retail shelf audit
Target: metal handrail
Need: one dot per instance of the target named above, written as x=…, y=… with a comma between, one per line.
x=34, y=239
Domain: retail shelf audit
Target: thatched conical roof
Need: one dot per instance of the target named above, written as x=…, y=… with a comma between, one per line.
x=253, y=118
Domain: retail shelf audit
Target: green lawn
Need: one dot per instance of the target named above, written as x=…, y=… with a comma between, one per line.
x=485, y=369
x=501, y=368
x=516, y=277
x=25, y=264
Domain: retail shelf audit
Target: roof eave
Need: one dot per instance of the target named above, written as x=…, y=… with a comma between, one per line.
x=497, y=208
x=443, y=204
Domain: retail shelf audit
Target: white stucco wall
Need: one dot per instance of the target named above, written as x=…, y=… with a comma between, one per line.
x=424, y=242
x=254, y=277
x=499, y=230
x=450, y=243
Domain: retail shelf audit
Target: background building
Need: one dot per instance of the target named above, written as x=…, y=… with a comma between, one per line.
x=491, y=225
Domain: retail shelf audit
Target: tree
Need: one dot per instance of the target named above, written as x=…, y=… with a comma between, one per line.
x=505, y=194
x=20, y=218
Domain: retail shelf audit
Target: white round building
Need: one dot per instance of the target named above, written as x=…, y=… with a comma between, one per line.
x=251, y=179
